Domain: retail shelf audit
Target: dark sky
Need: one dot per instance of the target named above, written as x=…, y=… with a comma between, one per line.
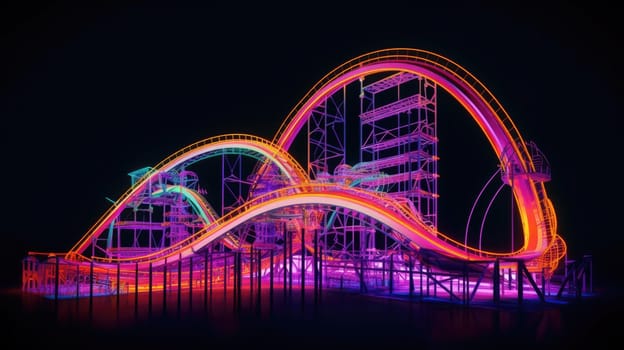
x=90, y=93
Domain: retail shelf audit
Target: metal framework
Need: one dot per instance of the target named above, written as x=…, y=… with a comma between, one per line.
x=358, y=214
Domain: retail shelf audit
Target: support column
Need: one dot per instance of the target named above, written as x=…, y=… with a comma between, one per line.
x=290, y=263
x=150, y=285
x=303, y=265
x=259, y=275
x=179, y=281
x=284, y=262
x=420, y=276
x=211, y=269
x=91, y=285
x=320, y=279
x=543, y=282
x=165, y=286
x=362, y=287
x=225, y=260
x=136, y=288
x=190, y=280
x=118, y=282
x=56, y=278
x=77, y=281
x=411, y=277
x=391, y=274
x=466, y=291
x=206, y=277
x=315, y=264
x=240, y=277
x=496, y=281
x=251, y=271
x=520, y=281
x=271, y=275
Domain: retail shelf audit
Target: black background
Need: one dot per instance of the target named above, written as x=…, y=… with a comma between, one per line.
x=90, y=93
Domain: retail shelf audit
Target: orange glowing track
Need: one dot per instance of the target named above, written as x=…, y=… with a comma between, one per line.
x=539, y=229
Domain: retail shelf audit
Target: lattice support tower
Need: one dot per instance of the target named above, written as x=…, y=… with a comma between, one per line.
x=399, y=138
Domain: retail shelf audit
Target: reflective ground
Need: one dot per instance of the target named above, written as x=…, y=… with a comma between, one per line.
x=295, y=321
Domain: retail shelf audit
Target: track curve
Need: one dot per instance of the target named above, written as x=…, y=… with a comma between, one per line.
x=185, y=156
x=536, y=212
x=535, y=208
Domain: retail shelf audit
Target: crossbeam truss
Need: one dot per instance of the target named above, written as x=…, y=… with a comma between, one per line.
x=383, y=140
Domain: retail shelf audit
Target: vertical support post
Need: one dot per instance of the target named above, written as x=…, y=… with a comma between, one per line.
x=451, y=287
x=136, y=287
x=391, y=275
x=466, y=291
x=240, y=276
x=190, y=280
x=77, y=281
x=383, y=273
x=362, y=288
x=303, y=264
x=251, y=271
x=118, y=282
x=411, y=277
x=91, y=283
x=290, y=263
x=284, y=262
x=520, y=281
x=150, y=285
x=543, y=281
x=259, y=273
x=428, y=282
x=496, y=281
x=320, y=279
x=435, y=285
x=179, y=281
x=56, y=277
x=315, y=263
x=206, y=277
x=165, y=286
x=271, y=275
x=211, y=269
x=235, y=278
x=225, y=268
x=420, y=276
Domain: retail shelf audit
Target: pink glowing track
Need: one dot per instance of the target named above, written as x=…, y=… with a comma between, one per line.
x=541, y=243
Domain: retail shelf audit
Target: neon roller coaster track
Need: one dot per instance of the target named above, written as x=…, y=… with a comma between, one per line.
x=372, y=220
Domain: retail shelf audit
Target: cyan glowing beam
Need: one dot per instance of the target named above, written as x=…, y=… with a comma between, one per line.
x=273, y=153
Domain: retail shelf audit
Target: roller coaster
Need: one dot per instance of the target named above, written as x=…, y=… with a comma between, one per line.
x=372, y=224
